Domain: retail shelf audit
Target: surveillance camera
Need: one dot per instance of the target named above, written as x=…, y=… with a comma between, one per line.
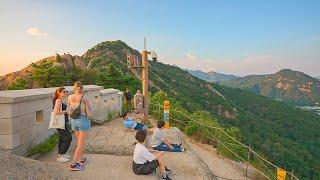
x=154, y=55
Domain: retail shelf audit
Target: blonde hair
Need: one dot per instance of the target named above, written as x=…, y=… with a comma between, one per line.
x=78, y=86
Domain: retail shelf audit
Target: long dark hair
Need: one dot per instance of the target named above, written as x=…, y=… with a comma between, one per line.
x=56, y=94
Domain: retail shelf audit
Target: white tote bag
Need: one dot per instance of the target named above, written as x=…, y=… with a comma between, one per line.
x=57, y=121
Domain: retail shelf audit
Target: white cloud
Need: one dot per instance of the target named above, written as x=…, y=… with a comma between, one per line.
x=32, y=31
x=189, y=55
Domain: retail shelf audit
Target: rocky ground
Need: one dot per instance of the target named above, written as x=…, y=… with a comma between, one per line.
x=16, y=167
x=109, y=149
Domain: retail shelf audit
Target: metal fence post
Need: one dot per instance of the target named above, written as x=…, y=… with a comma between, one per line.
x=219, y=140
x=159, y=111
x=248, y=159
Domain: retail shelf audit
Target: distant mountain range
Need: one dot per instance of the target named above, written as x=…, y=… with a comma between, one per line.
x=212, y=76
x=287, y=85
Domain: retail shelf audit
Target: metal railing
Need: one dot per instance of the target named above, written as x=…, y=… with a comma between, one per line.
x=253, y=163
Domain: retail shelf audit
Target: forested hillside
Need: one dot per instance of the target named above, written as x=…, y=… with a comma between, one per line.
x=285, y=135
x=286, y=85
x=212, y=76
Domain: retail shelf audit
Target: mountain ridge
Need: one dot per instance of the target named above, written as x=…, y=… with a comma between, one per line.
x=211, y=76
x=286, y=85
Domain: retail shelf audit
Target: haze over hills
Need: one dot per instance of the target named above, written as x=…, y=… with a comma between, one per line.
x=287, y=136
x=212, y=76
x=287, y=85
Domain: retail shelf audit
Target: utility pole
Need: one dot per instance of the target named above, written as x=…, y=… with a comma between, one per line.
x=132, y=64
x=145, y=83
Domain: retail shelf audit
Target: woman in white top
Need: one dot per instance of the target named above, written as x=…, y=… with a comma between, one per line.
x=80, y=124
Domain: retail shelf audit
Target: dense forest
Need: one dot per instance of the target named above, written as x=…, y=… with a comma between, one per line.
x=285, y=135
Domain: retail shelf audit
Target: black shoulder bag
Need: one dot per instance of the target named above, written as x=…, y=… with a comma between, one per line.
x=76, y=112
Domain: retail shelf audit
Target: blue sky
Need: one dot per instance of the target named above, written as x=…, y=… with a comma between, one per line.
x=229, y=36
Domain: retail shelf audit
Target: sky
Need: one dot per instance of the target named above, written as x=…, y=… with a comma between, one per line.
x=238, y=37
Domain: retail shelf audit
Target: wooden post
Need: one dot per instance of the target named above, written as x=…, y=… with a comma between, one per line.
x=248, y=159
x=145, y=82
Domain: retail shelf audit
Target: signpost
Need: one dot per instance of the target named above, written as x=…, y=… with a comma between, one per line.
x=166, y=107
x=281, y=174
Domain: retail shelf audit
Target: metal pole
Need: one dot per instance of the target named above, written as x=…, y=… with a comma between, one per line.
x=159, y=113
x=145, y=81
x=248, y=159
x=219, y=140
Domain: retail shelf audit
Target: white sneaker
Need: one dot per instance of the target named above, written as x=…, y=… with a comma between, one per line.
x=62, y=159
x=67, y=156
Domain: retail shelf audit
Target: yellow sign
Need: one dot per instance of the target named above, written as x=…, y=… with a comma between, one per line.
x=166, y=125
x=281, y=174
x=166, y=105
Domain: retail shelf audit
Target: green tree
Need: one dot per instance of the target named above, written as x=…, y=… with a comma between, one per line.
x=47, y=75
x=112, y=77
x=18, y=84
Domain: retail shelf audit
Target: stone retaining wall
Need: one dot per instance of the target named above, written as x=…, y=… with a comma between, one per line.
x=25, y=114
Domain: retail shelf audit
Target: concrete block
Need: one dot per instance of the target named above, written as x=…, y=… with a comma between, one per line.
x=27, y=120
x=9, y=110
x=41, y=131
x=35, y=105
x=25, y=135
x=10, y=141
x=47, y=114
x=92, y=94
x=10, y=125
x=22, y=150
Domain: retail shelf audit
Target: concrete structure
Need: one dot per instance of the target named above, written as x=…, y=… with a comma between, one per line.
x=25, y=114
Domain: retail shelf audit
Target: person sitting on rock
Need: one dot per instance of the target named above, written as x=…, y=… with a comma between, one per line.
x=145, y=162
x=132, y=125
x=160, y=143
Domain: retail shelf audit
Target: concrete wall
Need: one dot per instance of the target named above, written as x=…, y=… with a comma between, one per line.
x=25, y=114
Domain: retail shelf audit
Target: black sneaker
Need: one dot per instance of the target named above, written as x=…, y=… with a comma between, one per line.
x=166, y=178
x=168, y=171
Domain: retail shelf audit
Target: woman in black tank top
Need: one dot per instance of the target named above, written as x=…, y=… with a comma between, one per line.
x=65, y=138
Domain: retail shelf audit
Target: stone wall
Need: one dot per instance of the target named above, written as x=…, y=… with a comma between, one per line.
x=25, y=114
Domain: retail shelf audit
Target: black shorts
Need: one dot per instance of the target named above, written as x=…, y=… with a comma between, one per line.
x=146, y=168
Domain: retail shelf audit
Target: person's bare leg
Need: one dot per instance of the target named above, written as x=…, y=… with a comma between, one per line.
x=79, y=150
x=75, y=155
x=162, y=166
x=82, y=137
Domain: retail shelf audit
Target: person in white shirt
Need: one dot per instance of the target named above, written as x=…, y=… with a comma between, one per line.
x=145, y=162
x=160, y=143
